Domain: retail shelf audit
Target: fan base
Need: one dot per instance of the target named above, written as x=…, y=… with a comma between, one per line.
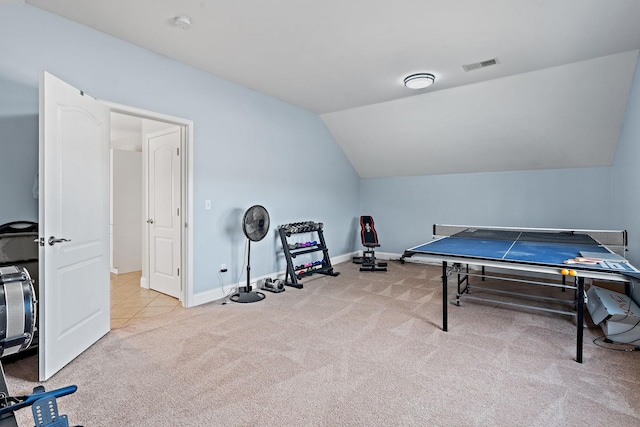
x=245, y=297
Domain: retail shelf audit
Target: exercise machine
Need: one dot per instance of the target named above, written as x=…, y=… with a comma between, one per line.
x=43, y=406
x=369, y=238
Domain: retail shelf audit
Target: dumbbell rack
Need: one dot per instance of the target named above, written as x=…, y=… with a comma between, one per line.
x=291, y=251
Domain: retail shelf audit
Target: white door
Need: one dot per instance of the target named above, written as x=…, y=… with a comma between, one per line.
x=74, y=217
x=164, y=222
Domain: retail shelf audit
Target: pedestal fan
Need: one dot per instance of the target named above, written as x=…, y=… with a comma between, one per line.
x=255, y=225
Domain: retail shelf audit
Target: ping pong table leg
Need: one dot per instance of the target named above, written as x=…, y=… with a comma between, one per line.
x=580, y=319
x=444, y=296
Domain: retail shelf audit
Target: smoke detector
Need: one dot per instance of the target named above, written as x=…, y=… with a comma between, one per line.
x=182, y=22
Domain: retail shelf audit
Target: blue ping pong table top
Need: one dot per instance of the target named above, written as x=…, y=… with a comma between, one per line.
x=528, y=248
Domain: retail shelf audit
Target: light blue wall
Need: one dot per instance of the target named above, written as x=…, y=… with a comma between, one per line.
x=406, y=208
x=248, y=148
x=625, y=181
x=18, y=151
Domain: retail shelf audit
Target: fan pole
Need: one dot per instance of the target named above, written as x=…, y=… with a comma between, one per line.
x=248, y=289
x=247, y=295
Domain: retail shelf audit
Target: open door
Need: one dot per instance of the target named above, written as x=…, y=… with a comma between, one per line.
x=74, y=224
x=165, y=219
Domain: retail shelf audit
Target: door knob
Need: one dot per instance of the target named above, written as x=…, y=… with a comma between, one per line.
x=52, y=240
x=149, y=221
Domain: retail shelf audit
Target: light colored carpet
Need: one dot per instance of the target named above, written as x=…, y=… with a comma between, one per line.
x=360, y=349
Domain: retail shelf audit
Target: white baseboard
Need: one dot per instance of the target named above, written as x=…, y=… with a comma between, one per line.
x=212, y=295
x=344, y=257
x=224, y=291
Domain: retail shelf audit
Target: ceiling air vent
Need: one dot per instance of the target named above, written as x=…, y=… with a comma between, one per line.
x=481, y=64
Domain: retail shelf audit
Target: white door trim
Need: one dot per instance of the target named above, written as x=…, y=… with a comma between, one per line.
x=187, y=190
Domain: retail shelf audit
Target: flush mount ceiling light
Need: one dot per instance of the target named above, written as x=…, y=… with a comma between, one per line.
x=183, y=22
x=419, y=81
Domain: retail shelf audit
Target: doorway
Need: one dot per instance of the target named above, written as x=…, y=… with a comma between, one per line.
x=133, y=230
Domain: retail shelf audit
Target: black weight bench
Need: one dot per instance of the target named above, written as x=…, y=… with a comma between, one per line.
x=369, y=238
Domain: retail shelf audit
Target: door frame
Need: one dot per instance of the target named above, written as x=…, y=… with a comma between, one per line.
x=186, y=205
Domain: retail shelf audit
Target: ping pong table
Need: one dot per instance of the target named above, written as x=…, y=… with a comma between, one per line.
x=553, y=254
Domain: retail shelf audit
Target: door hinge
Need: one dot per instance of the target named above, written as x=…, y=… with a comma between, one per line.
x=178, y=272
x=178, y=211
x=178, y=151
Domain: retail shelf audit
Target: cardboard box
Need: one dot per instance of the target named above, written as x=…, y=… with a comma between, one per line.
x=616, y=313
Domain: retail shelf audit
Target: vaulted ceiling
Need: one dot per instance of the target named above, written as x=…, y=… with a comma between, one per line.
x=555, y=97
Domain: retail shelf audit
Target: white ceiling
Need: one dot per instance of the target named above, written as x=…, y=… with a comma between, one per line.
x=556, y=98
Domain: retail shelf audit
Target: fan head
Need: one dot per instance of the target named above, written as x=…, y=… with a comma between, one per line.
x=255, y=223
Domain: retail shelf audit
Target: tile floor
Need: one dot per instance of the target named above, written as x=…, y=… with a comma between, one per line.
x=130, y=303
